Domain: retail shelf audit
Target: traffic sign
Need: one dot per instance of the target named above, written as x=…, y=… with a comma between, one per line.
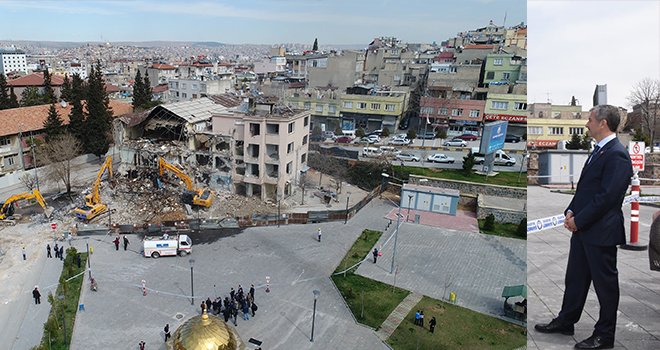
x=636, y=151
x=53, y=225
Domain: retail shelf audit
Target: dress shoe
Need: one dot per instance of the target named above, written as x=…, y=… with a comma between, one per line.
x=555, y=327
x=595, y=342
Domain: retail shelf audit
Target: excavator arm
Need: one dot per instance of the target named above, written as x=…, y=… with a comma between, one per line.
x=200, y=197
x=164, y=165
x=25, y=195
x=93, y=205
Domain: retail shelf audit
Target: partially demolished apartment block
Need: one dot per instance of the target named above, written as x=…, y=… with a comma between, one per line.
x=251, y=147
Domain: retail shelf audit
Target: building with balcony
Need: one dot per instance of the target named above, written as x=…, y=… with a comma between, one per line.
x=342, y=71
x=190, y=89
x=502, y=69
x=12, y=60
x=457, y=116
x=269, y=147
x=510, y=107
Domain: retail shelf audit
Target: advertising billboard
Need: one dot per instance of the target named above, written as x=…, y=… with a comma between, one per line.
x=493, y=136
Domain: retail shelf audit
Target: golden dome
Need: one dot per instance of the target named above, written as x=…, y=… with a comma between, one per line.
x=206, y=332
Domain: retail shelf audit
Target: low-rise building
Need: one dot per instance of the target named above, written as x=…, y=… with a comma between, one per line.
x=35, y=80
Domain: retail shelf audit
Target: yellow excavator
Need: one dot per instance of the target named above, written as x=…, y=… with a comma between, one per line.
x=7, y=210
x=93, y=206
x=199, y=197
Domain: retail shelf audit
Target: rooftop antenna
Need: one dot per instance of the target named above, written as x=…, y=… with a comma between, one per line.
x=504, y=24
x=548, y=97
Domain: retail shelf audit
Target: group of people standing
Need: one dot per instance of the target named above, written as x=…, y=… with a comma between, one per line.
x=419, y=321
x=237, y=301
x=59, y=251
x=116, y=242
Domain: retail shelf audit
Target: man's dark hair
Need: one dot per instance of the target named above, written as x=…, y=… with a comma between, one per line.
x=610, y=114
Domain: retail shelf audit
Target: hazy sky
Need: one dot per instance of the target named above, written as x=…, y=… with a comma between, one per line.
x=574, y=45
x=251, y=21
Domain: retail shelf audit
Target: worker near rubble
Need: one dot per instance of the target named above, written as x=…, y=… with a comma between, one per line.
x=116, y=242
x=319, y=234
x=126, y=243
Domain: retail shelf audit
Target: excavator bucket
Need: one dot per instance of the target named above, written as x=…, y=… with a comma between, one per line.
x=48, y=212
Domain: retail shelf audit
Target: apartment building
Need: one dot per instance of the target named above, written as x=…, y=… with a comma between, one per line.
x=269, y=144
x=458, y=116
x=511, y=107
x=342, y=71
x=502, y=68
x=12, y=60
x=189, y=89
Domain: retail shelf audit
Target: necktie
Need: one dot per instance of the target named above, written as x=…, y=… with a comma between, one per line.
x=593, y=153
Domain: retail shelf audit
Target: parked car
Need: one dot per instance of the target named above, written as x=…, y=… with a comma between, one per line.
x=343, y=139
x=378, y=132
x=404, y=124
x=467, y=137
x=373, y=138
x=399, y=142
x=406, y=157
x=440, y=158
x=317, y=138
x=511, y=138
x=329, y=135
x=455, y=143
x=429, y=135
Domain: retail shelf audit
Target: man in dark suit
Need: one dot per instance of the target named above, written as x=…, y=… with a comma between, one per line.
x=596, y=220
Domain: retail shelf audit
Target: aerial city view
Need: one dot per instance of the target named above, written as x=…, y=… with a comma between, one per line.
x=305, y=175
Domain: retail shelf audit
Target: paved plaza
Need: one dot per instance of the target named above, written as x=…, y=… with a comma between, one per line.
x=638, y=323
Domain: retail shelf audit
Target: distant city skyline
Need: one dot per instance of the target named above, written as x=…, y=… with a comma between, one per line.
x=575, y=45
x=337, y=22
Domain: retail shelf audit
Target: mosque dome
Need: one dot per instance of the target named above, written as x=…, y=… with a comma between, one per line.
x=206, y=332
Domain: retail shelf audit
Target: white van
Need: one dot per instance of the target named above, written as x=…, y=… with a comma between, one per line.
x=501, y=158
x=350, y=133
x=371, y=152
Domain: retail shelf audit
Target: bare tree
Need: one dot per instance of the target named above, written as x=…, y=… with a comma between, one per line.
x=306, y=181
x=58, y=154
x=646, y=97
x=29, y=181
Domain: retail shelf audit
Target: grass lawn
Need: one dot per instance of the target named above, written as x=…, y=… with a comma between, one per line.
x=456, y=328
x=512, y=179
x=370, y=301
x=53, y=328
x=503, y=230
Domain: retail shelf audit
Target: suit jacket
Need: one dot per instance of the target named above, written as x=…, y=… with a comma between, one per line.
x=599, y=196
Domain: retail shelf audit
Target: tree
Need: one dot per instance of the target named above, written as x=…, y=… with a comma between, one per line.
x=4, y=92
x=411, y=135
x=575, y=142
x=53, y=124
x=315, y=47
x=31, y=97
x=13, y=100
x=338, y=131
x=77, y=116
x=306, y=181
x=138, y=91
x=317, y=130
x=359, y=132
x=58, y=153
x=147, y=91
x=489, y=223
x=468, y=163
x=639, y=135
x=48, y=95
x=586, y=141
x=99, y=118
x=385, y=133
x=65, y=91
x=521, y=231
x=441, y=133
x=646, y=97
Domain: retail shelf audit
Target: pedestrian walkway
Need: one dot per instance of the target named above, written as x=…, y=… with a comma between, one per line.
x=396, y=317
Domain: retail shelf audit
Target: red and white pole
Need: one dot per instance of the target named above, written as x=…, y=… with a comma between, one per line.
x=634, y=217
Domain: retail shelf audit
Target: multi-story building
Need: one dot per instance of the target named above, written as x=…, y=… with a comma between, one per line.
x=458, y=116
x=390, y=63
x=517, y=36
x=35, y=80
x=189, y=89
x=299, y=65
x=548, y=124
x=159, y=73
x=12, y=60
x=510, y=107
x=77, y=68
x=270, y=148
x=502, y=68
x=342, y=71
x=371, y=109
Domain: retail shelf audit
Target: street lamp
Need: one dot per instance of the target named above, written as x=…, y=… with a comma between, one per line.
x=316, y=296
x=348, y=196
x=409, y=200
x=60, y=297
x=192, y=289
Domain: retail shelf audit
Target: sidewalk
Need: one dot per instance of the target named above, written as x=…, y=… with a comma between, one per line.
x=398, y=314
x=638, y=323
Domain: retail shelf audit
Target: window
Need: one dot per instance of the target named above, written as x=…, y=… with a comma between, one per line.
x=574, y=131
x=519, y=106
x=5, y=141
x=348, y=104
x=184, y=95
x=535, y=130
x=291, y=127
x=497, y=62
x=474, y=113
x=457, y=112
x=556, y=131
x=10, y=160
x=427, y=110
x=289, y=148
x=307, y=105
x=577, y=115
x=490, y=75
x=390, y=107
x=361, y=105
x=303, y=158
x=332, y=109
x=183, y=85
x=289, y=167
x=194, y=95
x=500, y=105
x=556, y=115
x=319, y=108
x=506, y=76
x=304, y=140
x=306, y=121
x=443, y=111
x=194, y=86
x=375, y=106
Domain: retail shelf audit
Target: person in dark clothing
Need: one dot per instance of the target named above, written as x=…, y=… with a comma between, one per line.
x=62, y=253
x=421, y=318
x=254, y=308
x=24, y=257
x=36, y=295
x=116, y=242
x=252, y=291
x=141, y=345
x=234, y=312
x=48, y=254
x=232, y=294
x=78, y=260
x=226, y=312
x=167, y=332
x=57, y=251
x=432, y=324
x=375, y=253
x=208, y=304
x=203, y=306
x=125, y=243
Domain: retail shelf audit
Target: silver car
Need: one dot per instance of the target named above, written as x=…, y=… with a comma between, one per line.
x=440, y=158
x=406, y=157
x=399, y=142
x=455, y=143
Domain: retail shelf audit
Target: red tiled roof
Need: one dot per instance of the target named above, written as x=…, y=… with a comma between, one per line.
x=446, y=55
x=478, y=46
x=159, y=88
x=35, y=79
x=162, y=66
x=22, y=119
x=109, y=88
